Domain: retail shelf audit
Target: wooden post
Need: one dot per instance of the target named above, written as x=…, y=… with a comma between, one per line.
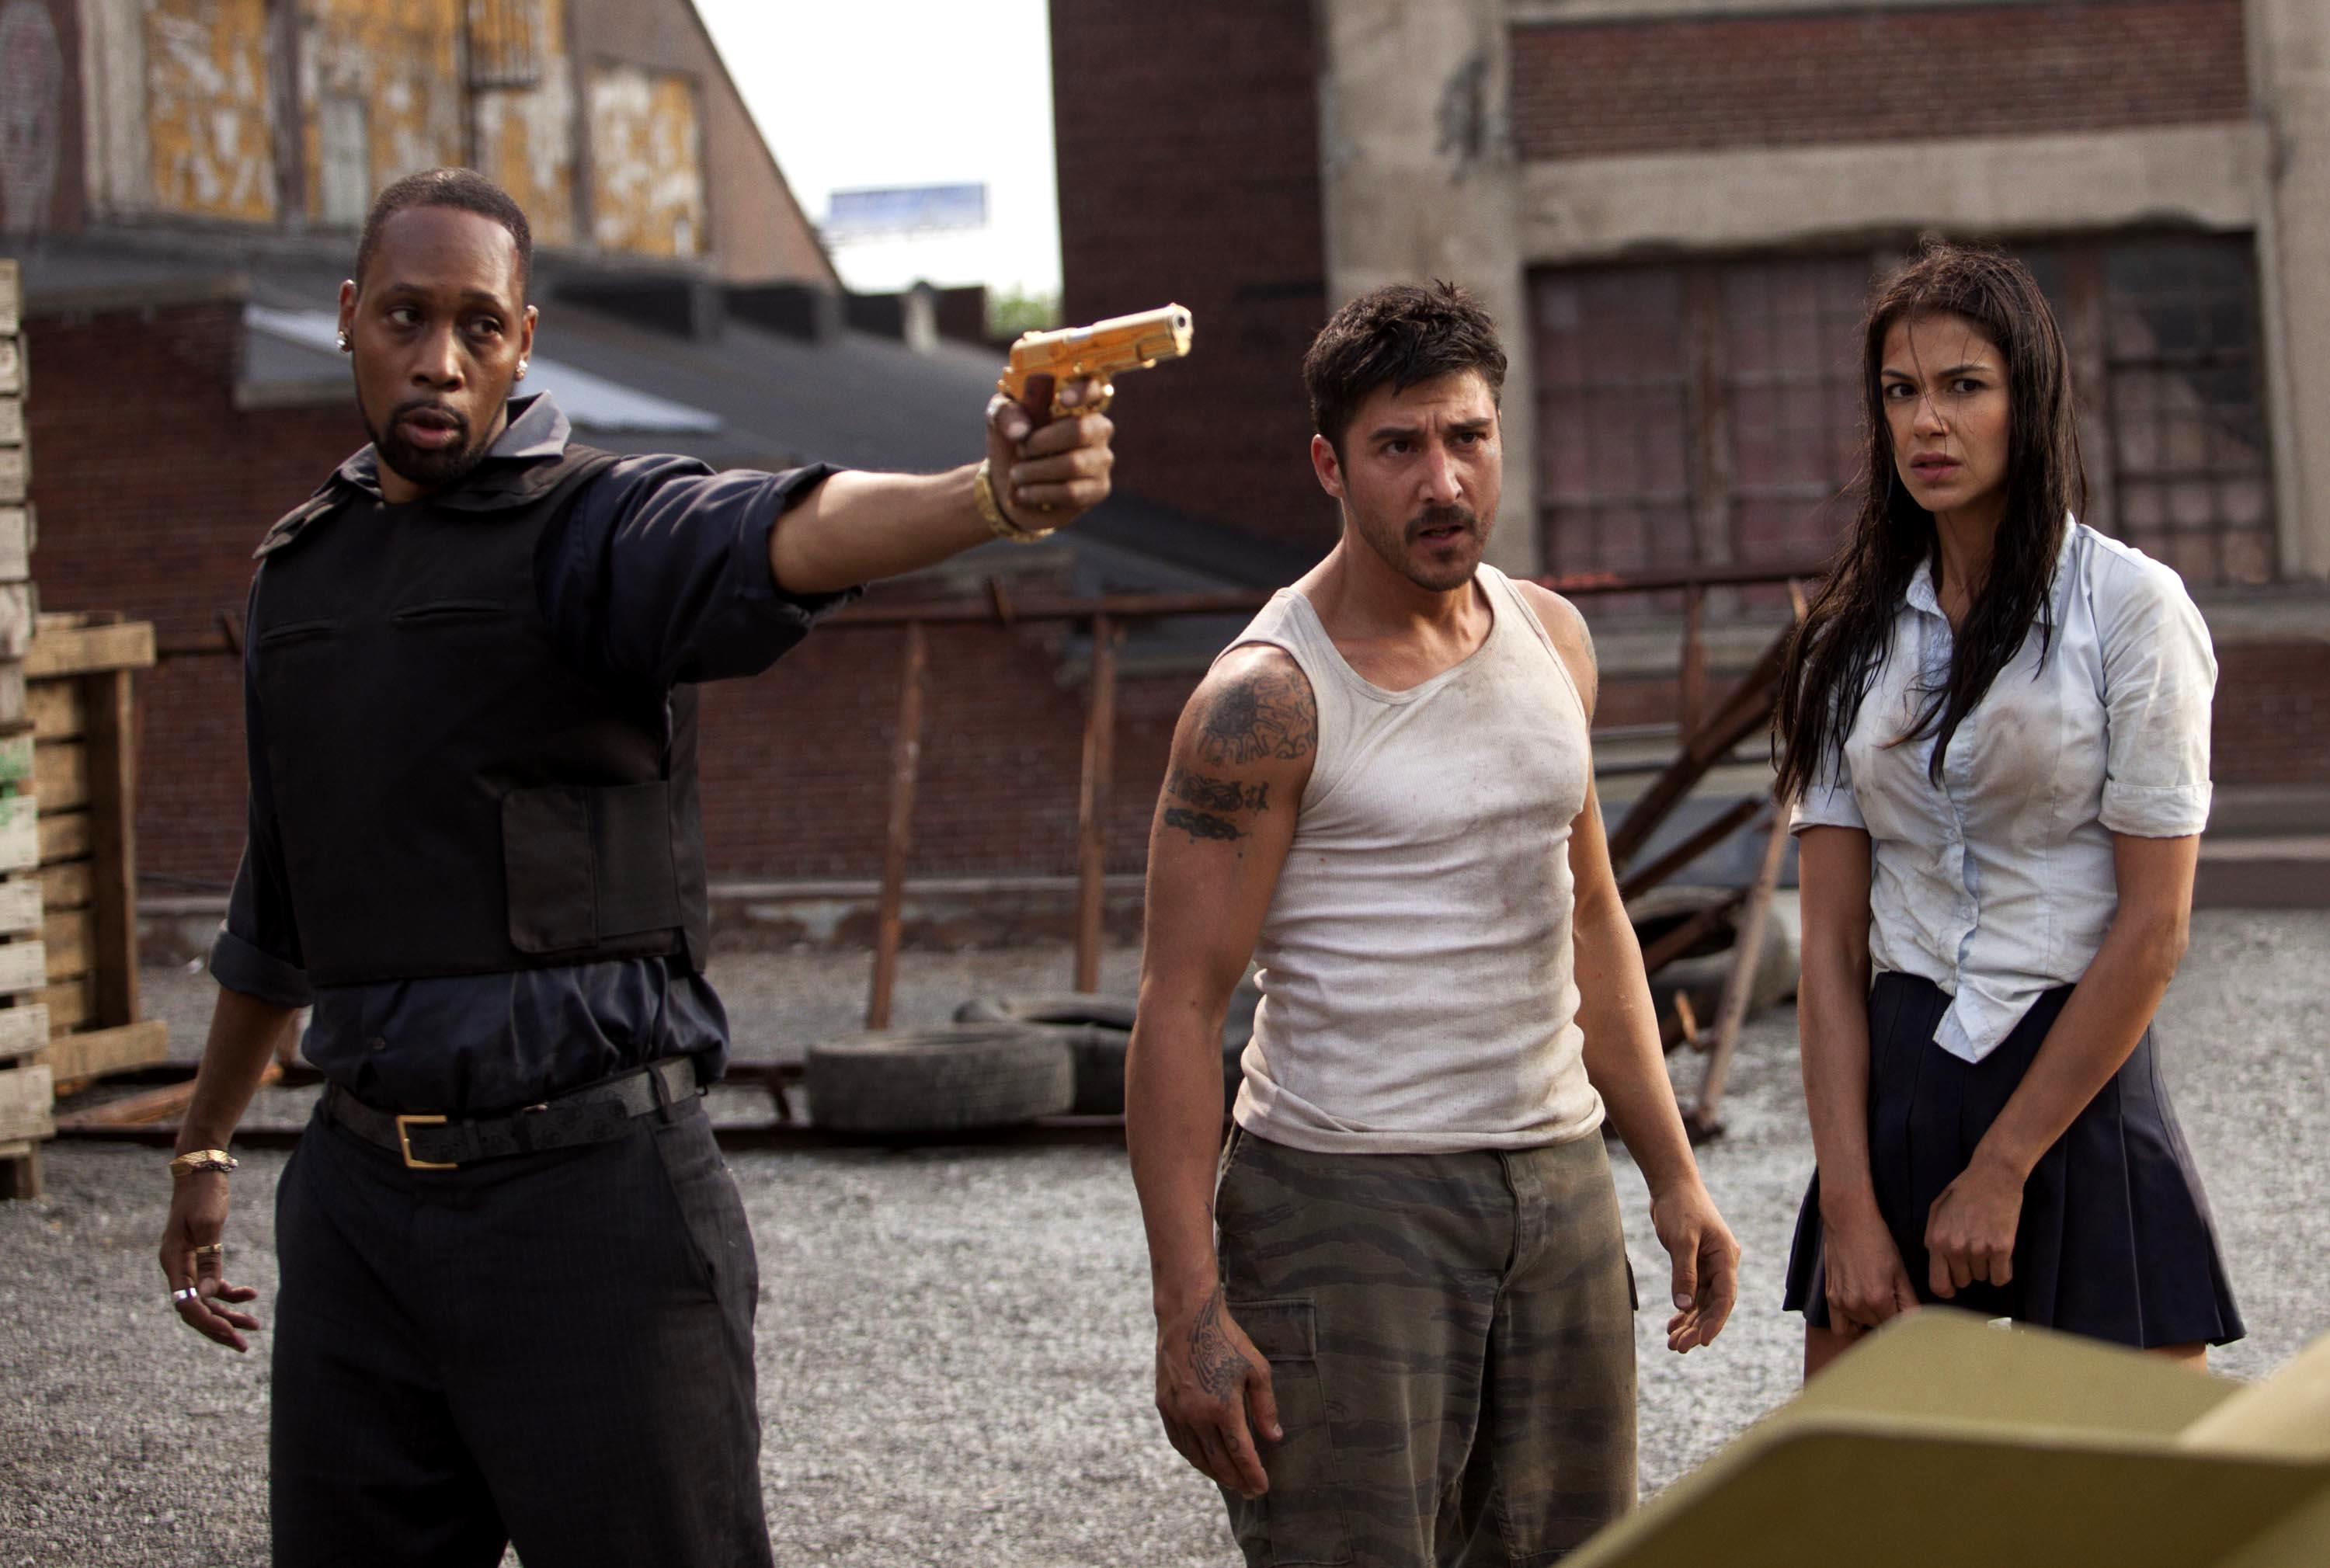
x=1091, y=804
x=1691, y=696
x=110, y=737
x=905, y=765
x=1747, y=947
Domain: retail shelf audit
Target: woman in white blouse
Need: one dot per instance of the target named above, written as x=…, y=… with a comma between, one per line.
x=1996, y=724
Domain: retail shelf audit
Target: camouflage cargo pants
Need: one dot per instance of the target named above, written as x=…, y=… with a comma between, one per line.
x=1451, y=1343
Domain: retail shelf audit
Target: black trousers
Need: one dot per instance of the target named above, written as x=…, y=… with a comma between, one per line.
x=554, y=1350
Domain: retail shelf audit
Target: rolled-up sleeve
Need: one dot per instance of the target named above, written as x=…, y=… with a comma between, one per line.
x=1828, y=800
x=660, y=572
x=2160, y=675
x=257, y=950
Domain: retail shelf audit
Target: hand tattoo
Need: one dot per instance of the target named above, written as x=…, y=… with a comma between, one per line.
x=1219, y=1365
x=1268, y=712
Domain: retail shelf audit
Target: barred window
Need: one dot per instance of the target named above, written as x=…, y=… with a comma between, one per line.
x=505, y=43
x=1708, y=412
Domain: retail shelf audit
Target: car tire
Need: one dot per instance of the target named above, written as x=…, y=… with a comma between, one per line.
x=945, y=1080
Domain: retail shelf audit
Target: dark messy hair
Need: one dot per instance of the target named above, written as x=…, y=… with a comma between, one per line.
x=463, y=189
x=1837, y=650
x=1403, y=333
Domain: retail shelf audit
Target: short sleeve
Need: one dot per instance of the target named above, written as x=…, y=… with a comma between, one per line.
x=1828, y=800
x=660, y=572
x=2160, y=674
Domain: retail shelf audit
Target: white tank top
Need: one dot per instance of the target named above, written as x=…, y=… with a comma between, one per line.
x=1417, y=990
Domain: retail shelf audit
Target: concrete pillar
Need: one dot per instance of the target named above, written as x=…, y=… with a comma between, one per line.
x=1420, y=181
x=2289, y=45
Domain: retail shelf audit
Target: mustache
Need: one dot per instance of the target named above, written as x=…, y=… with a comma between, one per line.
x=1463, y=517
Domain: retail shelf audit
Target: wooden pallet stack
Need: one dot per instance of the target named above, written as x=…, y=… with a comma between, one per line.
x=25, y=1080
x=80, y=704
x=68, y=812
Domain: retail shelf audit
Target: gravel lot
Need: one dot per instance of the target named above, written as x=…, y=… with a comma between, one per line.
x=954, y=1343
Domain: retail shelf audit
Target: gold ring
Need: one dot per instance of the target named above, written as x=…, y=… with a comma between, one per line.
x=215, y=1249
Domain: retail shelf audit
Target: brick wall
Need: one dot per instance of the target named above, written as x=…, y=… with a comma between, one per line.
x=2272, y=713
x=1188, y=170
x=152, y=491
x=795, y=764
x=1599, y=89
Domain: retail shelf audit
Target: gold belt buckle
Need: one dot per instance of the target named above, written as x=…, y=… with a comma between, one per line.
x=404, y=1126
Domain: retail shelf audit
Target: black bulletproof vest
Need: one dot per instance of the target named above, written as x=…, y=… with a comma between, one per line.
x=454, y=797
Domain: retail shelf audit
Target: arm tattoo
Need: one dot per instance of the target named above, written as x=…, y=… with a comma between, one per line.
x=1269, y=713
x=1218, y=794
x=1219, y=1365
x=1202, y=824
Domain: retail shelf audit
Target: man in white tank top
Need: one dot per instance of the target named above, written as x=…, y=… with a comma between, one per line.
x=1395, y=1325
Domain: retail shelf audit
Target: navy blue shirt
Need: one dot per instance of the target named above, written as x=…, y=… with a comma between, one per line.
x=658, y=572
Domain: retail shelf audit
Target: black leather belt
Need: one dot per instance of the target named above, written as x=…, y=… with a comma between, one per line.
x=591, y=1115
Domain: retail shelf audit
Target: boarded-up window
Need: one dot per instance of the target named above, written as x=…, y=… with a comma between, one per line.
x=646, y=172
x=207, y=119
x=522, y=98
x=1708, y=412
x=505, y=42
x=380, y=94
x=344, y=161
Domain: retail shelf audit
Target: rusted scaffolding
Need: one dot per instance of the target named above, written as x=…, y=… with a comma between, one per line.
x=1706, y=738
x=1745, y=711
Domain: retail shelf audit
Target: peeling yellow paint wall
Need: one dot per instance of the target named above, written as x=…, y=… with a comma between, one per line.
x=525, y=133
x=647, y=164
x=381, y=95
x=210, y=133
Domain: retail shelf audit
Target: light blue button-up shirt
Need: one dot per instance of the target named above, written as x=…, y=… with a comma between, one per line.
x=1999, y=884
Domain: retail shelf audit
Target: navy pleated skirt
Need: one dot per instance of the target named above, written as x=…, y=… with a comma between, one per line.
x=2115, y=1242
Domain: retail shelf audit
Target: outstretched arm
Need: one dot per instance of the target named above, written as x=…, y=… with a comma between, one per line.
x=1623, y=1057
x=856, y=527
x=1241, y=757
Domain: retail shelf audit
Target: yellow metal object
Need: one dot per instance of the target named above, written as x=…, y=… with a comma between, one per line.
x=404, y=1126
x=983, y=492
x=196, y=1159
x=1096, y=353
x=1942, y=1442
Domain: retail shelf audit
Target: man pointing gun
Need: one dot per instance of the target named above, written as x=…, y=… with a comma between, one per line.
x=517, y=1285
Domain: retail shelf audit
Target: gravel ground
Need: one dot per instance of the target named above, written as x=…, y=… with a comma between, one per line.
x=954, y=1343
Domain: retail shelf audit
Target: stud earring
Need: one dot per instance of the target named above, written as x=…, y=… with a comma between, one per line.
x=344, y=342
x=521, y=370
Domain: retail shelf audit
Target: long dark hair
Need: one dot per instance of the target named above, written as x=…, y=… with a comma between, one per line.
x=1837, y=650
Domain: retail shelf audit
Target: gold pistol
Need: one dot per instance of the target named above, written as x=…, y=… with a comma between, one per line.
x=1097, y=353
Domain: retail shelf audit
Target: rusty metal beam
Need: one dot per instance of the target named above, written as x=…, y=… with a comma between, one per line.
x=905, y=767
x=1091, y=803
x=1678, y=941
x=1690, y=686
x=992, y=609
x=1739, y=720
x=1704, y=1121
x=1688, y=850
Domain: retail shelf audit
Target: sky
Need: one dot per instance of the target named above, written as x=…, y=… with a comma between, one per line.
x=854, y=93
